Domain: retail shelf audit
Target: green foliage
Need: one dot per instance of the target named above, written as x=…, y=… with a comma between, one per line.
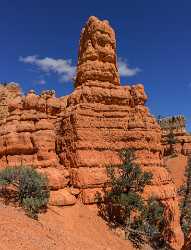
x=155, y=225
x=143, y=221
x=171, y=138
x=32, y=190
x=131, y=179
x=185, y=205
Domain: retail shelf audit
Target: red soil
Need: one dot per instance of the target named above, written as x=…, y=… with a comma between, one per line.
x=61, y=228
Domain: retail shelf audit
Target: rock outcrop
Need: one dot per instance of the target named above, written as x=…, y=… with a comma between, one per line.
x=73, y=139
x=7, y=92
x=97, y=54
x=28, y=136
x=101, y=118
x=175, y=138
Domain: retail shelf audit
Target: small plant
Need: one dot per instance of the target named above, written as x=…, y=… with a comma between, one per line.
x=31, y=188
x=124, y=207
x=155, y=225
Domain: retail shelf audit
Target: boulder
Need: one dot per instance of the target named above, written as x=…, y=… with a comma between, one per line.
x=61, y=197
x=56, y=177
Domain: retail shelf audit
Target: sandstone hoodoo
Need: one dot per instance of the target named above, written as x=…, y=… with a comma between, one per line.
x=73, y=139
x=97, y=54
x=103, y=117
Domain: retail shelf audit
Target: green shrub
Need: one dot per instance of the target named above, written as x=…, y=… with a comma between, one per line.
x=156, y=224
x=32, y=190
x=143, y=221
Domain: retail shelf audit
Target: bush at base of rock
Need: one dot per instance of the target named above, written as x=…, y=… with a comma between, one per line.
x=142, y=221
x=30, y=188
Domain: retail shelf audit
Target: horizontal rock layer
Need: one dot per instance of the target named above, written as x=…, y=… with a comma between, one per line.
x=94, y=131
x=28, y=135
x=175, y=138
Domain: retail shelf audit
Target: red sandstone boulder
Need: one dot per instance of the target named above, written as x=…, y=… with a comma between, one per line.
x=56, y=177
x=61, y=197
x=89, y=177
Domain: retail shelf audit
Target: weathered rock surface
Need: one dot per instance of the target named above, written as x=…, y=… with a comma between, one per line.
x=73, y=139
x=102, y=118
x=176, y=141
x=7, y=92
x=175, y=138
x=61, y=197
x=57, y=177
x=28, y=137
x=177, y=167
x=97, y=54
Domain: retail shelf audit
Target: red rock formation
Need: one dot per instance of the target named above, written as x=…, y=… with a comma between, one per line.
x=73, y=139
x=28, y=136
x=7, y=93
x=97, y=54
x=102, y=118
x=175, y=138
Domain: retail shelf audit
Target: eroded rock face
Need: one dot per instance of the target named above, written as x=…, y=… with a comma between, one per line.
x=97, y=54
x=62, y=197
x=28, y=136
x=95, y=129
x=102, y=118
x=73, y=139
x=7, y=92
x=175, y=138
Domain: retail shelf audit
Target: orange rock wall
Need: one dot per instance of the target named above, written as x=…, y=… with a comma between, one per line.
x=97, y=128
x=101, y=118
x=7, y=93
x=175, y=125
x=28, y=136
x=73, y=139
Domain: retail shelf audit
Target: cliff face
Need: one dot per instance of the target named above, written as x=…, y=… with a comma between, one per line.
x=73, y=139
x=175, y=138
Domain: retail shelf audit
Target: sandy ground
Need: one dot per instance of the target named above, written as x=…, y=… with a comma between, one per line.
x=68, y=228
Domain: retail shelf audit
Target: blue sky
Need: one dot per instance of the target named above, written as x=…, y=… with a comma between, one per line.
x=153, y=39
